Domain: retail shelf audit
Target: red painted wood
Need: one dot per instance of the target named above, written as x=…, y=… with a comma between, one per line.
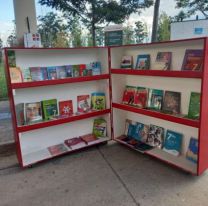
x=40, y=125
x=151, y=113
x=59, y=81
x=179, y=74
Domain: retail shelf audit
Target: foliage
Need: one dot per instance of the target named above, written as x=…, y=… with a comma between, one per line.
x=128, y=35
x=140, y=31
x=180, y=16
x=3, y=86
x=1, y=43
x=11, y=40
x=61, y=40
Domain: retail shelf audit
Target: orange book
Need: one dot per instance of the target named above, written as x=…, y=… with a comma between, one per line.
x=15, y=74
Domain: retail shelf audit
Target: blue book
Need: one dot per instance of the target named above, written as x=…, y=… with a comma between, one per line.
x=173, y=142
x=38, y=73
x=69, y=70
x=141, y=132
x=96, y=68
x=192, y=152
x=143, y=62
x=52, y=74
x=61, y=72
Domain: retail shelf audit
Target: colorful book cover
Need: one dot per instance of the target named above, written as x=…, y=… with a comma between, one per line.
x=98, y=100
x=33, y=112
x=61, y=72
x=193, y=60
x=57, y=149
x=82, y=70
x=128, y=96
x=194, y=105
x=155, y=99
x=89, y=69
x=143, y=62
x=172, y=102
x=11, y=58
x=127, y=62
x=38, y=73
x=65, y=108
x=141, y=132
x=83, y=103
x=100, y=127
x=69, y=70
x=19, y=110
x=156, y=136
x=15, y=74
x=140, y=97
x=96, y=68
x=26, y=75
x=75, y=143
x=173, y=142
x=88, y=138
x=75, y=70
x=192, y=152
x=52, y=73
x=50, y=108
x=163, y=61
x=130, y=127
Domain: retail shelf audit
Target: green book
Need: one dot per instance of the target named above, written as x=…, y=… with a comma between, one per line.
x=99, y=128
x=194, y=105
x=155, y=99
x=50, y=108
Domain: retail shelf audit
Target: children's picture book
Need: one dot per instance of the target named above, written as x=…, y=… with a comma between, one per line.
x=75, y=143
x=15, y=74
x=32, y=40
x=38, y=73
x=127, y=62
x=128, y=96
x=96, y=68
x=50, y=109
x=26, y=75
x=194, y=105
x=89, y=138
x=99, y=127
x=130, y=127
x=82, y=70
x=33, y=112
x=65, y=108
x=192, y=152
x=172, y=102
x=155, y=99
x=75, y=70
x=163, y=61
x=11, y=58
x=193, y=60
x=69, y=70
x=156, y=136
x=61, y=72
x=98, y=100
x=172, y=143
x=141, y=132
x=141, y=97
x=52, y=73
x=143, y=62
x=83, y=103
x=89, y=69
x=57, y=149
x=19, y=110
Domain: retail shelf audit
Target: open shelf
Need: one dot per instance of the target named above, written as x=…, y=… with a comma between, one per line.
x=171, y=73
x=50, y=123
x=159, y=115
x=44, y=154
x=59, y=81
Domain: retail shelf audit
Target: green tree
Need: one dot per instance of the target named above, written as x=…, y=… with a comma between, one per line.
x=180, y=16
x=1, y=43
x=93, y=13
x=193, y=6
x=100, y=37
x=11, y=40
x=128, y=34
x=140, y=31
x=61, y=40
x=164, y=27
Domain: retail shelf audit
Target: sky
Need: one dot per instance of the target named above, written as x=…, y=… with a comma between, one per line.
x=7, y=15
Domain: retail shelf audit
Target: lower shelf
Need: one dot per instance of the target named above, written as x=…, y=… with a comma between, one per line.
x=177, y=161
x=41, y=155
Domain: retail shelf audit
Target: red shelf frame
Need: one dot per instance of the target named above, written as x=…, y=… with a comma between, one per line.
x=73, y=118
x=59, y=81
x=171, y=73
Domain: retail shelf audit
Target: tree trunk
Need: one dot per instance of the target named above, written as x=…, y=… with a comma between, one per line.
x=155, y=20
x=93, y=24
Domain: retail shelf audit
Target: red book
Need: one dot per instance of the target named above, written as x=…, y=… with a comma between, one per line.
x=57, y=149
x=140, y=98
x=88, y=138
x=75, y=143
x=128, y=96
x=82, y=68
x=65, y=108
x=83, y=103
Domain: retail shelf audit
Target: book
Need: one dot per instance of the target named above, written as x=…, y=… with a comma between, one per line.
x=173, y=142
x=69, y=70
x=19, y=110
x=96, y=68
x=128, y=95
x=141, y=132
x=33, y=112
x=52, y=74
x=32, y=40
x=156, y=136
x=155, y=99
x=89, y=138
x=57, y=149
x=50, y=109
x=11, y=58
x=61, y=72
x=143, y=62
x=75, y=70
x=127, y=62
x=140, y=97
x=38, y=73
x=99, y=127
x=82, y=70
x=75, y=143
x=192, y=152
x=163, y=61
x=83, y=103
x=65, y=108
x=130, y=127
x=193, y=60
x=26, y=75
x=194, y=105
x=15, y=74
x=98, y=100
x=89, y=69
x=172, y=102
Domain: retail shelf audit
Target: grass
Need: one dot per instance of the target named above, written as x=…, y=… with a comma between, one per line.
x=3, y=86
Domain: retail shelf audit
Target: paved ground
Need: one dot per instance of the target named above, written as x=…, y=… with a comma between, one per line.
x=110, y=175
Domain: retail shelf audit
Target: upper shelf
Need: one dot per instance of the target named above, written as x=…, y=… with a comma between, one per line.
x=171, y=73
x=59, y=81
